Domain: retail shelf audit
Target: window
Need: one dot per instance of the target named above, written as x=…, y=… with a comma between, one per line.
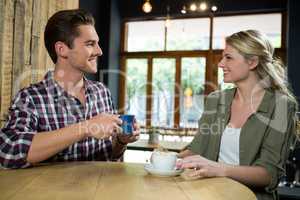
x=145, y=36
x=192, y=91
x=183, y=34
x=269, y=24
x=169, y=70
x=188, y=34
x=136, y=88
x=163, y=83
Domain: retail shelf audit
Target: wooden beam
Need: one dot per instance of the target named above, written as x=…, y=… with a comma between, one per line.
x=177, y=92
x=122, y=86
x=149, y=92
x=164, y=54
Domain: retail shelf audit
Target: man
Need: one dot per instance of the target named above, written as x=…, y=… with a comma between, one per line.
x=65, y=117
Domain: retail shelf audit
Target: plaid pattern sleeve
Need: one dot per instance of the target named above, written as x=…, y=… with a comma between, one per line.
x=17, y=134
x=46, y=107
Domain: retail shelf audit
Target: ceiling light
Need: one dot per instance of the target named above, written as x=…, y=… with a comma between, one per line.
x=214, y=8
x=203, y=6
x=147, y=7
x=183, y=10
x=168, y=22
x=193, y=7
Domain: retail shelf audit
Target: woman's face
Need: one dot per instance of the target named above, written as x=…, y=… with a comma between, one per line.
x=235, y=67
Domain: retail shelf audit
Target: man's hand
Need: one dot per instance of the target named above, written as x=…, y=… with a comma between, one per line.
x=103, y=126
x=125, y=139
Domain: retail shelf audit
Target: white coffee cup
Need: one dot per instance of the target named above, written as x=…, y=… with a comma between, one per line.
x=163, y=160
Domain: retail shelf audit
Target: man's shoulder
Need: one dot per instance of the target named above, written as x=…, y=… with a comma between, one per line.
x=28, y=96
x=33, y=89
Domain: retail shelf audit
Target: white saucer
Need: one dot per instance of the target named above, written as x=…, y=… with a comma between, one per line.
x=158, y=172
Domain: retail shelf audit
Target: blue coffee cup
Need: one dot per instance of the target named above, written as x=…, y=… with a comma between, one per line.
x=127, y=125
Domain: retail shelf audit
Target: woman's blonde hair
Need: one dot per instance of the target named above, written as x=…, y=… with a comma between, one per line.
x=270, y=70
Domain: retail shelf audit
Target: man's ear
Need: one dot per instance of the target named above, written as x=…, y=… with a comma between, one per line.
x=253, y=62
x=61, y=49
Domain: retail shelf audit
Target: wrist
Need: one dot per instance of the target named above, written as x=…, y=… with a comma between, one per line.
x=82, y=129
x=120, y=142
x=225, y=172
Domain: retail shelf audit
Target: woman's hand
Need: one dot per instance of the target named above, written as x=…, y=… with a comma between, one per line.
x=202, y=167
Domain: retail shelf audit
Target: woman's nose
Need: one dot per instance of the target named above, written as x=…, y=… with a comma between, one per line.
x=221, y=64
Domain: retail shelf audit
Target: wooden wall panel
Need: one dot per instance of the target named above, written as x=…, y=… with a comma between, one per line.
x=19, y=44
x=23, y=57
x=38, y=52
x=6, y=55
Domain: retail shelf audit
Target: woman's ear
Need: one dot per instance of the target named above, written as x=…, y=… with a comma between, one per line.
x=253, y=62
x=61, y=49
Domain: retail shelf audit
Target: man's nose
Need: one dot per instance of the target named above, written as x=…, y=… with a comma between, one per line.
x=98, y=50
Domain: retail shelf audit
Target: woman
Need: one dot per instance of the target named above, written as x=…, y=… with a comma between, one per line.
x=245, y=132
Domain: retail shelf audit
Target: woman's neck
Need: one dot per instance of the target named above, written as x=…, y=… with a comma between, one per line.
x=249, y=91
x=248, y=95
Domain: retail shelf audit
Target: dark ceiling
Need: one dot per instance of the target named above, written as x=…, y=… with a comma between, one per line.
x=133, y=8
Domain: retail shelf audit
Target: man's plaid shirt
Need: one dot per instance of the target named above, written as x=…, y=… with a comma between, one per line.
x=45, y=106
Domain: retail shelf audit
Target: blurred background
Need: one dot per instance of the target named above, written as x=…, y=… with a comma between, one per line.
x=159, y=57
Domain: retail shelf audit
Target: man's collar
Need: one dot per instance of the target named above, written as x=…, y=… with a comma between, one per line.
x=56, y=90
x=53, y=87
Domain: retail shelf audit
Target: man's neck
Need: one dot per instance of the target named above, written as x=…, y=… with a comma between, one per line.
x=69, y=79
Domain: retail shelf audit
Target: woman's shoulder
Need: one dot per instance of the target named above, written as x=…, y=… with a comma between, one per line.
x=219, y=97
x=219, y=93
x=226, y=95
x=283, y=99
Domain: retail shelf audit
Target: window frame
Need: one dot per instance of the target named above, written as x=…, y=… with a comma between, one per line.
x=211, y=72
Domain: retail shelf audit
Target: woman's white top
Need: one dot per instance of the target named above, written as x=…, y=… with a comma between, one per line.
x=230, y=146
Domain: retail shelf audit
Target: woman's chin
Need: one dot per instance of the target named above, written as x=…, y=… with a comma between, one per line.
x=227, y=81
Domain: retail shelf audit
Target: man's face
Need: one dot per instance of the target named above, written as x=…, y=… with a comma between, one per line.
x=83, y=55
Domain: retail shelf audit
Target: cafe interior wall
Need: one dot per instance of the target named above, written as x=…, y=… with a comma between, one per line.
x=293, y=46
x=23, y=57
x=108, y=25
x=111, y=14
x=22, y=50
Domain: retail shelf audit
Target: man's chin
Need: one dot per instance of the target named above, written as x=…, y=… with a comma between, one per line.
x=92, y=69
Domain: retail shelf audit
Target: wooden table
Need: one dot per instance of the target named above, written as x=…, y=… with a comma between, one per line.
x=143, y=145
x=107, y=180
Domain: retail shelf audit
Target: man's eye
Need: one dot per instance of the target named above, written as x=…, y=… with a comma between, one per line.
x=90, y=44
